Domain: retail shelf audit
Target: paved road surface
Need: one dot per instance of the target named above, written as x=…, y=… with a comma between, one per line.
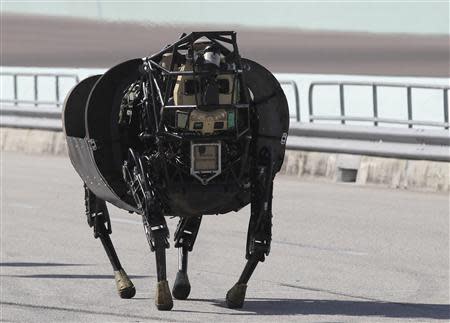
x=341, y=253
x=77, y=42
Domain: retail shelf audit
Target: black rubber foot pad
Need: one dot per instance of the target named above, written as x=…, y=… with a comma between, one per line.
x=236, y=296
x=127, y=292
x=181, y=287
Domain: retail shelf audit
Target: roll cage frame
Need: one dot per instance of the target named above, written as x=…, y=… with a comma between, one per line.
x=159, y=92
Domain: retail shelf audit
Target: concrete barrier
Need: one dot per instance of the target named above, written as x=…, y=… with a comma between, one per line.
x=368, y=170
x=33, y=141
x=309, y=165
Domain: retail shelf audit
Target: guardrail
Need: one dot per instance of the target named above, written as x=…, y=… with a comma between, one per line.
x=36, y=76
x=57, y=76
x=296, y=97
x=409, y=143
x=406, y=143
x=31, y=118
x=375, y=119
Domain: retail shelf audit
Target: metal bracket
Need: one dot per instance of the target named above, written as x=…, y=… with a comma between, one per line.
x=96, y=213
x=94, y=144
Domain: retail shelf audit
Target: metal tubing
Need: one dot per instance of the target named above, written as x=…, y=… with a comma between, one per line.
x=16, y=102
x=311, y=118
x=296, y=97
x=375, y=134
x=57, y=90
x=446, y=107
x=375, y=119
x=409, y=95
x=183, y=259
x=375, y=104
x=383, y=120
x=342, y=103
x=297, y=101
x=35, y=77
x=40, y=74
x=36, y=102
x=15, y=89
x=310, y=103
x=384, y=84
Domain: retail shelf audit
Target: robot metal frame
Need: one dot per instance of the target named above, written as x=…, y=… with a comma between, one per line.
x=191, y=130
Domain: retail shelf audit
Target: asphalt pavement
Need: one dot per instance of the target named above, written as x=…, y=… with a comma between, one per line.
x=340, y=253
x=49, y=41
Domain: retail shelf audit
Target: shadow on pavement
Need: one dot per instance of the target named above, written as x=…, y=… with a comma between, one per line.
x=350, y=308
x=269, y=306
x=72, y=276
x=82, y=311
x=37, y=264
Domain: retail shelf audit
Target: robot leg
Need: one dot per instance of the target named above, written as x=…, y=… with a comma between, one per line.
x=157, y=236
x=259, y=230
x=98, y=218
x=185, y=236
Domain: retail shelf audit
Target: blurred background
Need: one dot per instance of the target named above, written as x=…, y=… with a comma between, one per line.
x=301, y=42
x=348, y=37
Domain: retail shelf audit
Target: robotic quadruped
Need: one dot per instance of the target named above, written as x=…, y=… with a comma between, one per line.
x=192, y=130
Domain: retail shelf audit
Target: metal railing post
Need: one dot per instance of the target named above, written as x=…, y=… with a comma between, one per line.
x=35, y=77
x=310, y=103
x=446, y=107
x=376, y=120
x=341, y=98
x=296, y=97
x=410, y=116
x=297, y=100
x=375, y=104
x=57, y=90
x=15, y=89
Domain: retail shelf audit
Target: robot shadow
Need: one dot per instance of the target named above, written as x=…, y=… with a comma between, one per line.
x=270, y=306
x=73, y=276
x=38, y=264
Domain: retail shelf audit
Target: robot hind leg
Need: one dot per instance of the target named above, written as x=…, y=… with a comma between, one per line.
x=157, y=234
x=98, y=218
x=155, y=226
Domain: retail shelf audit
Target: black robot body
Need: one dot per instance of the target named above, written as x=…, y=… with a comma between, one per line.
x=192, y=130
x=195, y=112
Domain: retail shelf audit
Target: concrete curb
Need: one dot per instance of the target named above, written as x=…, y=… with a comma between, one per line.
x=33, y=141
x=420, y=175
x=331, y=167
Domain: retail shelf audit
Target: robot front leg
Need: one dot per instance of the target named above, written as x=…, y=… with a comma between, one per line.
x=157, y=236
x=185, y=236
x=259, y=231
x=98, y=218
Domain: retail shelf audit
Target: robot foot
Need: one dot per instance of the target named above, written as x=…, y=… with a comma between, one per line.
x=125, y=287
x=236, y=296
x=181, y=287
x=163, y=298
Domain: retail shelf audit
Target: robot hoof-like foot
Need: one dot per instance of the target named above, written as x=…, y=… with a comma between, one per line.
x=163, y=298
x=181, y=287
x=125, y=287
x=236, y=296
